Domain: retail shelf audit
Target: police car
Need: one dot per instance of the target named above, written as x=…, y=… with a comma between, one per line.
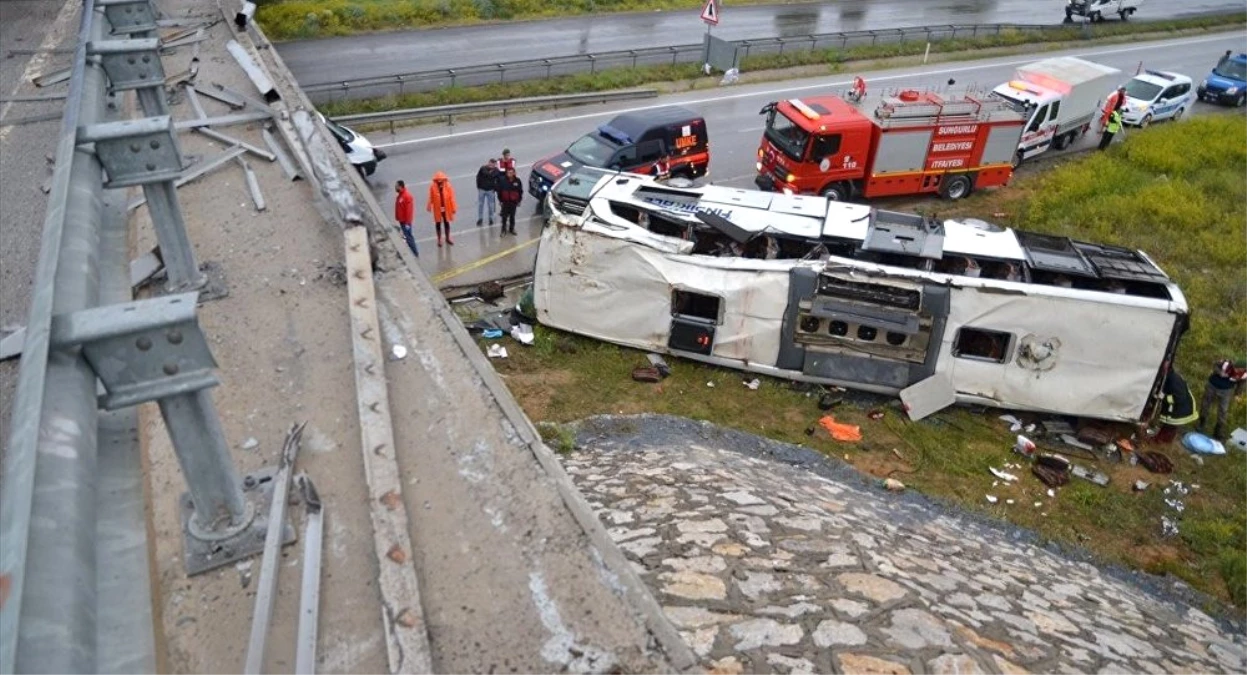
x=1156, y=95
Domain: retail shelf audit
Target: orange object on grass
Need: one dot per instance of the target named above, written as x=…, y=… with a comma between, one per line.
x=839, y=431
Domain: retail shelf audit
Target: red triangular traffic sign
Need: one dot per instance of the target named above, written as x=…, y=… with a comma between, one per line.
x=710, y=13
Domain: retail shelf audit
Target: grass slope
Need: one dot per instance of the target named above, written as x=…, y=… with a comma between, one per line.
x=1176, y=191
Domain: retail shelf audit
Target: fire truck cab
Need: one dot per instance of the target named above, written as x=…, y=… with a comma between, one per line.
x=910, y=143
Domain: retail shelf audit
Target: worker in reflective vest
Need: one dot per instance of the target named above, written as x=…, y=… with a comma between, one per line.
x=1111, y=129
x=1177, y=406
x=1115, y=101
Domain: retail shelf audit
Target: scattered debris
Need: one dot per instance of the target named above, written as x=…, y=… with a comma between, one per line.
x=1141, y=485
x=1009, y=501
x=1096, y=434
x=829, y=401
x=250, y=444
x=1238, y=438
x=1155, y=462
x=489, y=291
x=898, y=454
x=1074, y=442
x=523, y=333
x=1051, y=493
x=1202, y=444
x=400, y=352
x=497, y=351
x=710, y=384
x=1038, y=504
x=492, y=333
x=754, y=384
x=991, y=499
x=1057, y=427
x=1024, y=446
x=1168, y=528
x=1015, y=424
x=841, y=432
x=809, y=431
x=646, y=374
x=1050, y=476
x=1006, y=477
x=1086, y=474
x=657, y=362
x=893, y=485
x=875, y=414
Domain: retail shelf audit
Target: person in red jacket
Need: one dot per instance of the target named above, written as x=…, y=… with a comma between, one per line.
x=405, y=213
x=442, y=205
x=510, y=194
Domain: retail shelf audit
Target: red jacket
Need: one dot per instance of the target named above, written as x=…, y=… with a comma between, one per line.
x=404, y=207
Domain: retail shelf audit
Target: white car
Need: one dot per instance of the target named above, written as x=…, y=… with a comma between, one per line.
x=1157, y=95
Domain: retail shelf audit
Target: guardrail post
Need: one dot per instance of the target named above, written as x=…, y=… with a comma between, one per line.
x=593, y=64
x=502, y=72
x=632, y=53
x=145, y=153
x=452, y=77
x=674, y=52
x=400, y=84
x=547, y=64
x=780, y=40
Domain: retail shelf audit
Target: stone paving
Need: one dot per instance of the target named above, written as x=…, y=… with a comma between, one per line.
x=767, y=566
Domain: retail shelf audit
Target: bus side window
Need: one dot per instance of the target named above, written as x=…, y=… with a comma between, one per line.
x=979, y=344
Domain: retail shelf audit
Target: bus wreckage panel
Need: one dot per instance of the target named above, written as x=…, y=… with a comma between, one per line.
x=844, y=294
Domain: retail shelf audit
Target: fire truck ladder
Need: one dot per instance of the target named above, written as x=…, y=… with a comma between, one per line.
x=911, y=108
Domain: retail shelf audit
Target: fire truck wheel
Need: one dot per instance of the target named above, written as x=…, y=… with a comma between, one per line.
x=836, y=192
x=956, y=187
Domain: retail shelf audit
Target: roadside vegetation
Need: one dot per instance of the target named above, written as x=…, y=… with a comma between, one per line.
x=773, y=66
x=1176, y=191
x=297, y=19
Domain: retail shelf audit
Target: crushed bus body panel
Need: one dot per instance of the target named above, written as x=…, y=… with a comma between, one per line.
x=807, y=289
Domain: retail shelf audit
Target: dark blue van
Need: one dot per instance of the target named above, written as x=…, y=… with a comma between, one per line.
x=1227, y=83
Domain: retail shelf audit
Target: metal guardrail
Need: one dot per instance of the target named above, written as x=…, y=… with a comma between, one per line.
x=75, y=590
x=532, y=69
x=450, y=111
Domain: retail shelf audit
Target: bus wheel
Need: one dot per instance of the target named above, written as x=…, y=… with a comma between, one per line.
x=836, y=192
x=956, y=187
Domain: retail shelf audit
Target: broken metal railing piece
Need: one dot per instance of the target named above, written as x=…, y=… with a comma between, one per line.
x=194, y=172
x=231, y=141
x=230, y=100
x=223, y=121
x=309, y=593
x=287, y=165
x=266, y=587
x=253, y=185
x=254, y=70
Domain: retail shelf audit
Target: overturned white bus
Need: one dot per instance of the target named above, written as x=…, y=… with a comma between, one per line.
x=844, y=294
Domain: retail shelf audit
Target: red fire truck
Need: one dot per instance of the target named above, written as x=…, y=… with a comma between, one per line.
x=910, y=143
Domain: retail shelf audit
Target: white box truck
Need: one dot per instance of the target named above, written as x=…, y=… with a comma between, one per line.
x=1059, y=97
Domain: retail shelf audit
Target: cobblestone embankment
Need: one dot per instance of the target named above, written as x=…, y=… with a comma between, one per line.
x=767, y=566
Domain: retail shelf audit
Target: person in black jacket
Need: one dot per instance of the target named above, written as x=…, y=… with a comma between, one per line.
x=486, y=183
x=510, y=194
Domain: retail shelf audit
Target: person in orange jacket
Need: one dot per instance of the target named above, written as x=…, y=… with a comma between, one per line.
x=1115, y=101
x=442, y=205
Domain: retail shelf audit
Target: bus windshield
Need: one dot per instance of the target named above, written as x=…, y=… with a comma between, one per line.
x=786, y=135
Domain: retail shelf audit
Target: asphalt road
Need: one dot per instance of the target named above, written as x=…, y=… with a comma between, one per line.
x=734, y=124
x=383, y=54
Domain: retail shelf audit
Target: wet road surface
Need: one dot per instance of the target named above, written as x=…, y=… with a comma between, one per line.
x=383, y=54
x=733, y=122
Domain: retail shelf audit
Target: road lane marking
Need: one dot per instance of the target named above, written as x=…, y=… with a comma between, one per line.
x=439, y=278
x=772, y=92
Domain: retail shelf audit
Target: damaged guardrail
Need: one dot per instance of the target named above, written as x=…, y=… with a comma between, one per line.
x=450, y=111
x=75, y=589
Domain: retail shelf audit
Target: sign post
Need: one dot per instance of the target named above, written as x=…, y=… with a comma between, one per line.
x=709, y=14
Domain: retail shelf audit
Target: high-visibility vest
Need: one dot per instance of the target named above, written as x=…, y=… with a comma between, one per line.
x=1114, y=122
